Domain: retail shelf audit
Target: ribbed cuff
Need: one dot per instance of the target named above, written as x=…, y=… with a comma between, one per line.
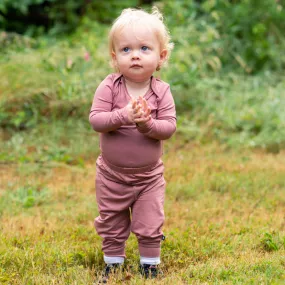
x=113, y=259
x=149, y=260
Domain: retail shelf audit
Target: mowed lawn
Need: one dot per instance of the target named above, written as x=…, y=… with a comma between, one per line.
x=224, y=220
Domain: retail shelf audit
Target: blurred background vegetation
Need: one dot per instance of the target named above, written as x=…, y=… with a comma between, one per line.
x=226, y=73
x=224, y=166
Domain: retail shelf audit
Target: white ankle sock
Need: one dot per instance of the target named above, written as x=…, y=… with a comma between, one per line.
x=150, y=260
x=113, y=259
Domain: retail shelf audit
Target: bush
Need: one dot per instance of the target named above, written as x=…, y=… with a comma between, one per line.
x=33, y=17
x=245, y=34
x=53, y=79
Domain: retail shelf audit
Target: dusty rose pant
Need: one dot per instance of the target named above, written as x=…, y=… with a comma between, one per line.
x=130, y=202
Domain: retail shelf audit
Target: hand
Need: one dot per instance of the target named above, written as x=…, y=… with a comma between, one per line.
x=144, y=111
x=134, y=110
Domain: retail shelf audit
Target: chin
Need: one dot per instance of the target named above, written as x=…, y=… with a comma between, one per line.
x=141, y=79
x=138, y=78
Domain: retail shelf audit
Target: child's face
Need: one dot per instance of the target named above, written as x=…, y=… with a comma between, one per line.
x=137, y=54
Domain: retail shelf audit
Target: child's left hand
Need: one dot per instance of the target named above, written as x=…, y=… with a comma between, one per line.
x=145, y=112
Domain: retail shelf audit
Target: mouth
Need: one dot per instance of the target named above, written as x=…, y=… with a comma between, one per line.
x=136, y=66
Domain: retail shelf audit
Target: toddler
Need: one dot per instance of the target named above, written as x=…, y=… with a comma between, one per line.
x=133, y=112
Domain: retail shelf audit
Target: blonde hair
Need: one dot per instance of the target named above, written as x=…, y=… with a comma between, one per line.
x=131, y=17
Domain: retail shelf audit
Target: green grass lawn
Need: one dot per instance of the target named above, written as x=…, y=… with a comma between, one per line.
x=224, y=220
x=225, y=200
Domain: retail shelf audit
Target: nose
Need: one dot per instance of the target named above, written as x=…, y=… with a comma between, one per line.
x=135, y=54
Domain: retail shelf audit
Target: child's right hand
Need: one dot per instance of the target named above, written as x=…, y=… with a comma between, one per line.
x=134, y=110
x=144, y=110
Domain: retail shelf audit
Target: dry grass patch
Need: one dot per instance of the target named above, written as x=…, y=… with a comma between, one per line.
x=224, y=221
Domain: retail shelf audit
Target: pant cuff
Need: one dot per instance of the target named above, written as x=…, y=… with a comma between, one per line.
x=113, y=259
x=150, y=260
x=149, y=251
x=118, y=253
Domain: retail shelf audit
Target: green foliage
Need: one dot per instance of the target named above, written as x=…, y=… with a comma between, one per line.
x=56, y=16
x=271, y=242
x=225, y=34
x=252, y=32
x=67, y=142
x=218, y=44
x=14, y=201
x=210, y=35
x=50, y=84
x=28, y=196
x=15, y=41
x=57, y=82
x=22, y=6
x=236, y=110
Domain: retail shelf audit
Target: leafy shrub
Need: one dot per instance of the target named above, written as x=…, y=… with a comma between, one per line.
x=56, y=79
x=56, y=16
x=213, y=35
x=226, y=34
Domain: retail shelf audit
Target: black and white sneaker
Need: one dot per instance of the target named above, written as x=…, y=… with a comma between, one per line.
x=109, y=269
x=148, y=270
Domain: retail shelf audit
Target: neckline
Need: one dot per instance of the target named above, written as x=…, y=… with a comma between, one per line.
x=132, y=97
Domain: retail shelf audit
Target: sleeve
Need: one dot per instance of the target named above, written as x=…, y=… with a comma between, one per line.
x=164, y=126
x=101, y=116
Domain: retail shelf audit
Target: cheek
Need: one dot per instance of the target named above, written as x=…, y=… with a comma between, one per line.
x=153, y=61
x=155, y=58
x=121, y=59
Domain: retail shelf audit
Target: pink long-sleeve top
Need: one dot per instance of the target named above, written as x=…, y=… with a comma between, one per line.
x=123, y=144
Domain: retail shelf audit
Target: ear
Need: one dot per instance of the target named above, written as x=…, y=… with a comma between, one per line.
x=162, y=57
x=114, y=58
x=114, y=61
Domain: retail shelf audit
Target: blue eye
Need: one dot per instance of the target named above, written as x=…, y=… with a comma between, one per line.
x=145, y=48
x=126, y=49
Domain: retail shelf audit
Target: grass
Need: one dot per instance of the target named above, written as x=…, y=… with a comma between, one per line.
x=224, y=220
x=55, y=81
x=224, y=167
x=67, y=141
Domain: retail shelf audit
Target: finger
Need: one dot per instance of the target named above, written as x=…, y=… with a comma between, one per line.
x=144, y=104
x=142, y=120
x=148, y=111
x=137, y=114
x=137, y=108
x=139, y=120
x=134, y=103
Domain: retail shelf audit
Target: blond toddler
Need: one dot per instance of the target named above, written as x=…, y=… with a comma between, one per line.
x=134, y=112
